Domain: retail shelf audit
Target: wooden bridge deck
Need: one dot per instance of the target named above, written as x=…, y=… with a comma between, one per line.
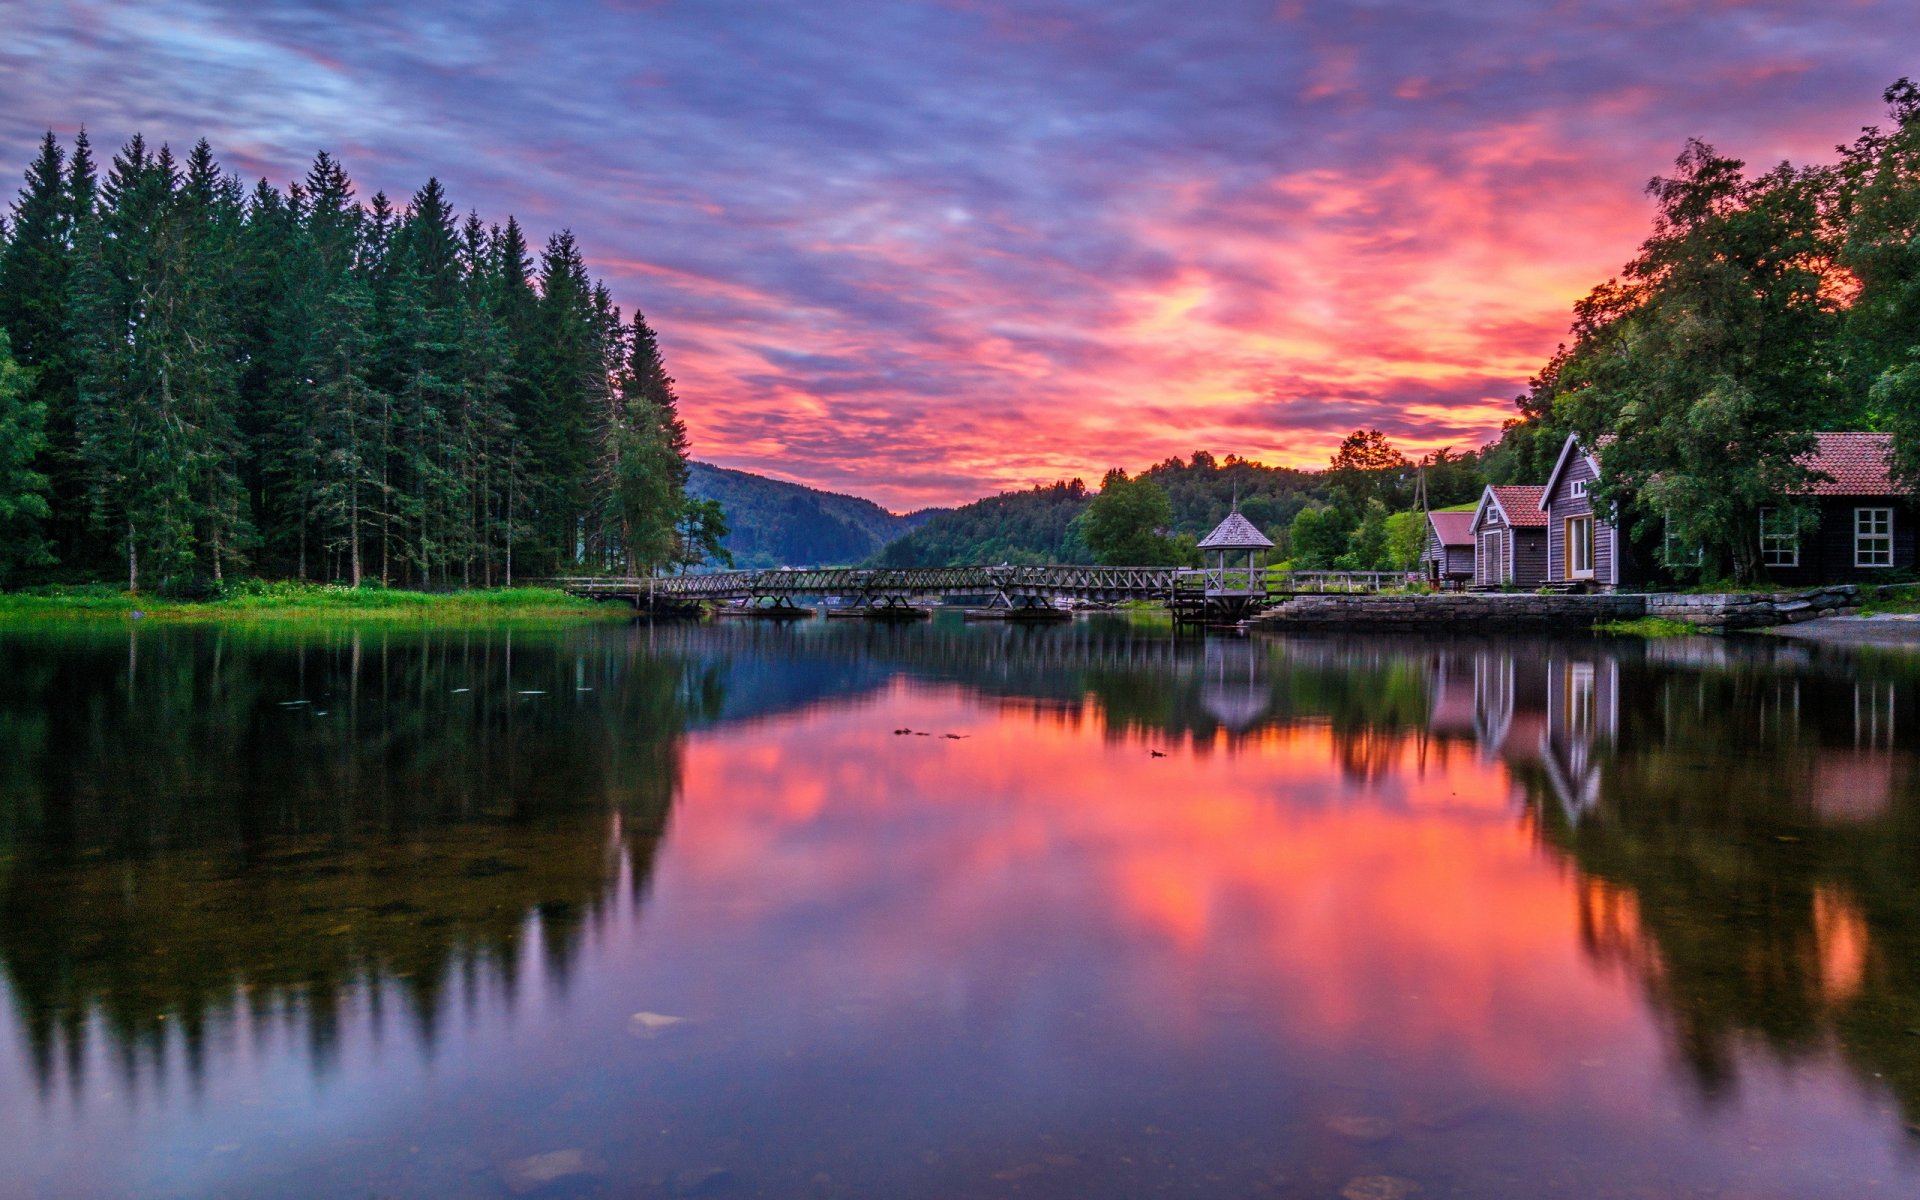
x=1013, y=585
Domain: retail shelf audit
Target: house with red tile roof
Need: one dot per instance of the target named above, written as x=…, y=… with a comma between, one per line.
x=1865, y=523
x=1448, y=558
x=1862, y=527
x=1510, y=538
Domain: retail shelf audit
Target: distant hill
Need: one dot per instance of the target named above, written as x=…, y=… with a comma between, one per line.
x=778, y=524
x=1038, y=525
x=1030, y=527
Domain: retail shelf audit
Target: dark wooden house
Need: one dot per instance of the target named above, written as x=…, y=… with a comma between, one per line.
x=1865, y=522
x=1863, y=525
x=1510, y=538
x=1448, y=558
x=1583, y=547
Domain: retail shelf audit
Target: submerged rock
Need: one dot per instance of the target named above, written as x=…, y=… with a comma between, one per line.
x=526, y=1176
x=1360, y=1128
x=1378, y=1187
x=650, y=1024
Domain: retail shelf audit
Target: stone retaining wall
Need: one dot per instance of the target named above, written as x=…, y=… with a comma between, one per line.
x=1498, y=612
x=1474, y=612
x=1754, y=610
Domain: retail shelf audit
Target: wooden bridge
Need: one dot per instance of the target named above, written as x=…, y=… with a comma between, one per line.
x=1183, y=589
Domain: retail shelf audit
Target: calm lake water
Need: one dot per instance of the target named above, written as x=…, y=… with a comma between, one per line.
x=682, y=911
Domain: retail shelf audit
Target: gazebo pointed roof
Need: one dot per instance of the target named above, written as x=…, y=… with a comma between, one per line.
x=1235, y=533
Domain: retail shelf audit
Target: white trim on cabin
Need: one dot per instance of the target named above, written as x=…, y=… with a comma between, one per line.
x=1560, y=466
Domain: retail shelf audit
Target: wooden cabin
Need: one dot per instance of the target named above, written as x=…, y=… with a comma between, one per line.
x=1583, y=547
x=1864, y=527
x=1510, y=538
x=1448, y=558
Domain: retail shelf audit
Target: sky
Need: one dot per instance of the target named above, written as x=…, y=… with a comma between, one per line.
x=924, y=250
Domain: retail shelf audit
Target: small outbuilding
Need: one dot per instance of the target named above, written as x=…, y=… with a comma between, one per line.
x=1510, y=538
x=1448, y=559
x=1234, y=536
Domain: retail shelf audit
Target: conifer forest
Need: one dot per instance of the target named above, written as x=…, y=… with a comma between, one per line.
x=201, y=379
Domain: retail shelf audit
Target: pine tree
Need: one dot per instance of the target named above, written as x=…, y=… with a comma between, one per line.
x=298, y=383
x=23, y=490
x=36, y=263
x=424, y=357
x=568, y=372
x=196, y=313
x=348, y=500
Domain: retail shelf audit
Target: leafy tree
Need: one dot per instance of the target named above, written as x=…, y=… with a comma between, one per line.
x=23, y=490
x=1317, y=537
x=1366, y=467
x=1369, y=546
x=1406, y=540
x=702, y=534
x=1705, y=376
x=1127, y=524
x=1879, y=210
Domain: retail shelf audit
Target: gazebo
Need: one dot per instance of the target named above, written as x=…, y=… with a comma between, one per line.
x=1232, y=536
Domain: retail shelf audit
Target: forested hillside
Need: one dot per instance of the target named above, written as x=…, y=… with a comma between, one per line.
x=1046, y=524
x=211, y=378
x=777, y=524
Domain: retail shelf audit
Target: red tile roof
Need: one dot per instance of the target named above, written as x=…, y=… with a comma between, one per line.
x=1454, y=528
x=1856, y=464
x=1522, y=505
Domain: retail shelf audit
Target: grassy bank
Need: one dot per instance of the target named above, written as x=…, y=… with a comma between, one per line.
x=253, y=601
x=1648, y=627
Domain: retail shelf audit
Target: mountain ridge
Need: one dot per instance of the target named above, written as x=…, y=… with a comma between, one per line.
x=779, y=524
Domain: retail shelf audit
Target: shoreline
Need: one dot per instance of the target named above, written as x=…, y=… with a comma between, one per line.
x=1890, y=630
x=301, y=603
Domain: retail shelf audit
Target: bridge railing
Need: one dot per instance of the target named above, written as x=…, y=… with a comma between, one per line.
x=1295, y=582
x=1088, y=582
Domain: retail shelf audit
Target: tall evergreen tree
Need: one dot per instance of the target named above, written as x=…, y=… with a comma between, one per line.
x=23, y=489
x=36, y=264
x=303, y=384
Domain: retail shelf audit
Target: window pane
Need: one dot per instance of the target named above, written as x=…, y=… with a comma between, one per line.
x=1873, y=537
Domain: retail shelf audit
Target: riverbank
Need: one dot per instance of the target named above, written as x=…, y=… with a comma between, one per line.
x=275, y=602
x=1501, y=612
x=1899, y=630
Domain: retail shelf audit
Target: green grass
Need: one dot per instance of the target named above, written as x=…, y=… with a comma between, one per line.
x=1889, y=598
x=254, y=600
x=1648, y=627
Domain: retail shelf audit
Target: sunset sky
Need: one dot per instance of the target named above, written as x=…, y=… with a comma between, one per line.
x=920, y=251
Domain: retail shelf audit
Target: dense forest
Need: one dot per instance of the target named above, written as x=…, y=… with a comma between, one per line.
x=1763, y=308
x=198, y=378
x=772, y=523
x=1317, y=519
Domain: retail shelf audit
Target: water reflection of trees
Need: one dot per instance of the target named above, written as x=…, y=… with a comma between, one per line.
x=1746, y=820
x=181, y=841
x=1749, y=848
x=181, y=836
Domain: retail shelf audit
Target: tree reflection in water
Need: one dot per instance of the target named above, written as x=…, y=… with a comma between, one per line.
x=200, y=821
x=182, y=841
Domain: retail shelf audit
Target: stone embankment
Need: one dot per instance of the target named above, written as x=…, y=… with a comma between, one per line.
x=1754, y=610
x=1499, y=612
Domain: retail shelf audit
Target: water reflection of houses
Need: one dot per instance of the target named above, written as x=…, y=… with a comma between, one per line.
x=1556, y=708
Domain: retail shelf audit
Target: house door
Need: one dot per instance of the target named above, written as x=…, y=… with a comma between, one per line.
x=1491, y=564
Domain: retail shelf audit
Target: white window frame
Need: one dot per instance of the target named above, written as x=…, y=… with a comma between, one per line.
x=1591, y=545
x=1778, y=548
x=1579, y=488
x=1873, y=538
